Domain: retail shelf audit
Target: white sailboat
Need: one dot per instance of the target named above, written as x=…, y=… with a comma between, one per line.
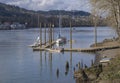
x=36, y=43
x=61, y=40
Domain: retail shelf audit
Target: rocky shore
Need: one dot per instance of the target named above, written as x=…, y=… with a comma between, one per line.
x=102, y=72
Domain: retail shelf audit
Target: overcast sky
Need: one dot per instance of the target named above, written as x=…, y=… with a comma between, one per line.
x=50, y=4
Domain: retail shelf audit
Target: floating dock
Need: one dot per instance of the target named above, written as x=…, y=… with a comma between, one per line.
x=58, y=50
x=44, y=47
x=49, y=45
x=92, y=49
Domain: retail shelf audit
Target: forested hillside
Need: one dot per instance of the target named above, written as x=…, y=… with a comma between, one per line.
x=9, y=13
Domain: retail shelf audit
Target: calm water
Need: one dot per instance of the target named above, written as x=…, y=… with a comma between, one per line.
x=19, y=64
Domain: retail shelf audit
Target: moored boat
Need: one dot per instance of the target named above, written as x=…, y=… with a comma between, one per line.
x=36, y=43
x=61, y=40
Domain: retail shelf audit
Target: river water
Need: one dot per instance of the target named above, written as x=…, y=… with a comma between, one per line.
x=19, y=64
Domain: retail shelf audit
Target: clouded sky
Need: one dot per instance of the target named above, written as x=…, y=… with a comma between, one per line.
x=50, y=4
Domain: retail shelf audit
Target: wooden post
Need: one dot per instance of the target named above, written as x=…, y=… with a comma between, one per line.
x=53, y=32
x=70, y=35
x=71, y=58
x=40, y=35
x=45, y=33
x=49, y=34
x=71, y=42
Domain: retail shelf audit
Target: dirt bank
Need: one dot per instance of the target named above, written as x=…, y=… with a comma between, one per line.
x=109, y=73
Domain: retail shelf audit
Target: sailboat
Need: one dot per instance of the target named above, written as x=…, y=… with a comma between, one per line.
x=61, y=40
x=36, y=43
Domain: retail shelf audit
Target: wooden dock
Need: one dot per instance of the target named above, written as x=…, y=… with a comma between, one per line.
x=34, y=46
x=54, y=50
x=92, y=49
x=49, y=45
x=43, y=47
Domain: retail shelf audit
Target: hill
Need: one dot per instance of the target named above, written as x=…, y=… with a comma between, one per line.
x=63, y=12
x=10, y=13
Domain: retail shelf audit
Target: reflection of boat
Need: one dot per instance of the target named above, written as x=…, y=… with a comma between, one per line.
x=36, y=43
x=54, y=49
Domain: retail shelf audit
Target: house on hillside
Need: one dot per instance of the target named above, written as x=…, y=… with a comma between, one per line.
x=17, y=25
x=5, y=26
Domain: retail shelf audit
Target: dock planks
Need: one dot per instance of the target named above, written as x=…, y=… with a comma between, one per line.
x=49, y=45
x=92, y=49
x=43, y=47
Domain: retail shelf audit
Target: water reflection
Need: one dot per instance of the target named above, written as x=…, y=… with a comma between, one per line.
x=57, y=73
x=67, y=68
x=20, y=65
x=50, y=62
x=41, y=64
x=55, y=69
x=45, y=56
x=50, y=66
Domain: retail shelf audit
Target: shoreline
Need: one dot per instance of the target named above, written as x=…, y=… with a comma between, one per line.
x=114, y=54
x=103, y=72
x=109, y=53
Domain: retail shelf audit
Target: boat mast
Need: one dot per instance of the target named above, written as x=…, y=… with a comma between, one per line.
x=60, y=24
x=39, y=26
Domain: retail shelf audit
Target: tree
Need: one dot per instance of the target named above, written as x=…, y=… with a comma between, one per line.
x=110, y=9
